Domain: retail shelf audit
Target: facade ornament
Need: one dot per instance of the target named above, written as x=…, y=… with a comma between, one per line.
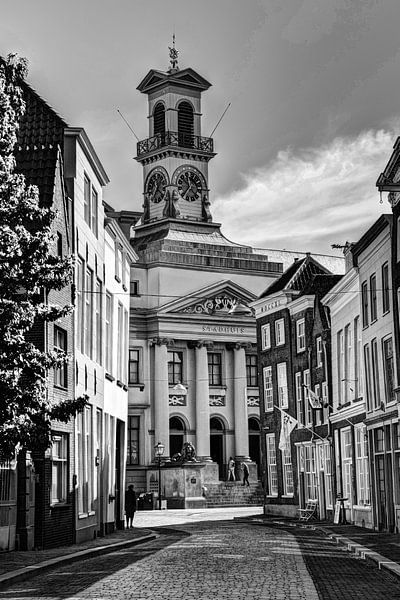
x=209, y=306
x=173, y=57
x=201, y=344
x=253, y=401
x=161, y=341
x=171, y=206
x=177, y=400
x=393, y=198
x=217, y=400
x=205, y=209
x=146, y=209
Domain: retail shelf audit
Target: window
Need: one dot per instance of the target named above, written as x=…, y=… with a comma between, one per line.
x=388, y=368
x=134, y=365
x=175, y=373
x=310, y=473
x=307, y=406
x=59, y=468
x=133, y=440
x=282, y=385
x=357, y=359
x=287, y=471
x=367, y=371
x=95, y=212
x=266, y=336
x=59, y=244
x=268, y=394
x=98, y=321
x=89, y=313
x=299, y=397
x=134, y=288
x=119, y=261
x=364, y=300
x=327, y=455
x=318, y=343
x=347, y=460
x=215, y=368
x=279, y=332
x=372, y=291
x=109, y=332
x=120, y=342
x=60, y=344
x=86, y=200
x=325, y=400
x=300, y=335
x=125, y=347
x=251, y=370
x=341, y=366
x=85, y=460
x=375, y=372
x=318, y=412
x=385, y=288
x=80, y=304
x=272, y=472
x=363, y=493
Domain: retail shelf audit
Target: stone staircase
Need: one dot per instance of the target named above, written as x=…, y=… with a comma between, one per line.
x=226, y=493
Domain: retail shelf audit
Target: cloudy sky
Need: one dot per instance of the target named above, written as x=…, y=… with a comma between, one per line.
x=314, y=92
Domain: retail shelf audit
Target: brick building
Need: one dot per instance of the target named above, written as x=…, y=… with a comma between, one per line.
x=293, y=336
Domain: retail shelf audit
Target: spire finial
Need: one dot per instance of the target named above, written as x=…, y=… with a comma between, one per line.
x=173, y=57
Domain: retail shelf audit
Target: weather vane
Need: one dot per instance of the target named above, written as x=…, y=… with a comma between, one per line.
x=173, y=56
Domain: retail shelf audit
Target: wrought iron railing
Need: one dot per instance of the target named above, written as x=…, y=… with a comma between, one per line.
x=173, y=138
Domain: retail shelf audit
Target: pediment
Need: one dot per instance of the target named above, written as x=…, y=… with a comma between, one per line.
x=186, y=77
x=216, y=299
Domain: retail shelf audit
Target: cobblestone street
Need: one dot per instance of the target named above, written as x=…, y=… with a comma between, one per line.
x=222, y=560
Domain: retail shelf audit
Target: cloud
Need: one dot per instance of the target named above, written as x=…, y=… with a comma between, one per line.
x=310, y=198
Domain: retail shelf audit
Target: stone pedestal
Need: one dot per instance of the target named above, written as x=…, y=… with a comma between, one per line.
x=181, y=485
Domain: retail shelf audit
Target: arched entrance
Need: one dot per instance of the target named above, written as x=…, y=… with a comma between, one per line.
x=217, y=431
x=176, y=435
x=254, y=442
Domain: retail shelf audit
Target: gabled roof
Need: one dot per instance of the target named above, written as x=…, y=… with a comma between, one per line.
x=380, y=225
x=187, y=78
x=296, y=276
x=220, y=289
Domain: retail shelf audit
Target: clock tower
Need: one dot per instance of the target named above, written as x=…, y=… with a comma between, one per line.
x=175, y=156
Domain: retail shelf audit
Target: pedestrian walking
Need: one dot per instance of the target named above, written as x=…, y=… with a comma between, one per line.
x=231, y=469
x=246, y=474
x=130, y=506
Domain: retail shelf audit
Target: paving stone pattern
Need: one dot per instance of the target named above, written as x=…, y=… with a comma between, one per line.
x=217, y=561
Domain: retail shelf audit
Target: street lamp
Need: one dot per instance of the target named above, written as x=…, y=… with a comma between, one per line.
x=159, y=451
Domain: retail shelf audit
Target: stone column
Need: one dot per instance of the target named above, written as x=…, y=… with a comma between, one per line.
x=161, y=397
x=202, y=403
x=240, y=403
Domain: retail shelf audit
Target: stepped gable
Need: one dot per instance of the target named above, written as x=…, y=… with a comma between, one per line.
x=202, y=245
x=297, y=276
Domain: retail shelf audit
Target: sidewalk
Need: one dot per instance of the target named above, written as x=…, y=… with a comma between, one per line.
x=381, y=548
x=17, y=566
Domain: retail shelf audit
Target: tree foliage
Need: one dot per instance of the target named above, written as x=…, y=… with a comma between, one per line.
x=29, y=270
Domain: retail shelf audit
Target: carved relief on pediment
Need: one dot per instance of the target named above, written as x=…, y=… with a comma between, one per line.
x=222, y=303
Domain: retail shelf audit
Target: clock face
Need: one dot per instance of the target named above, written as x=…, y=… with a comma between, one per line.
x=189, y=185
x=156, y=187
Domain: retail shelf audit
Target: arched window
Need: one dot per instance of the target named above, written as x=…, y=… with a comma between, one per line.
x=216, y=424
x=254, y=425
x=176, y=435
x=159, y=121
x=185, y=125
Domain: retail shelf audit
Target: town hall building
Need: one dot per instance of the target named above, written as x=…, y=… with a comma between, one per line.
x=193, y=374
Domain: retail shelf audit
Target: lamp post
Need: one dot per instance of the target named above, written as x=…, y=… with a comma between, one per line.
x=159, y=451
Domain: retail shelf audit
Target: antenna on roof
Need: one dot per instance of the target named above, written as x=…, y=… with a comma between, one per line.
x=222, y=116
x=123, y=118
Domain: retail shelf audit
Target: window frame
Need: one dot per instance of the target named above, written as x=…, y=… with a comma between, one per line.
x=268, y=391
x=373, y=298
x=214, y=374
x=133, y=419
x=266, y=336
x=365, y=304
x=282, y=385
x=280, y=329
x=319, y=351
x=385, y=288
x=175, y=367
x=272, y=467
x=300, y=336
x=251, y=370
x=59, y=467
x=61, y=372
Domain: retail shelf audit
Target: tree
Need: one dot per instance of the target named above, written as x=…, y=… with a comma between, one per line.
x=28, y=271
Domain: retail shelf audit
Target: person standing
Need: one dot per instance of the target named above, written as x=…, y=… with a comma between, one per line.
x=130, y=506
x=246, y=474
x=231, y=469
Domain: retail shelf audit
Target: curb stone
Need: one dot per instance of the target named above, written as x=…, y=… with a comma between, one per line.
x=30, y=571
x=384, y=564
